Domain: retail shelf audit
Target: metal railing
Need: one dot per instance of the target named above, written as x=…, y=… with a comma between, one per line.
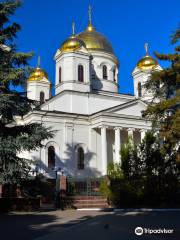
x=83, y=186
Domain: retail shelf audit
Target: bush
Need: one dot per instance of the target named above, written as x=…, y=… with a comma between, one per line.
x=104, y=188
x=19, y=204
x=38, y=186
x=147, y=177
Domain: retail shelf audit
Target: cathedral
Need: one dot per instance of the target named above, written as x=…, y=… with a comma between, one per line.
x=90, y=118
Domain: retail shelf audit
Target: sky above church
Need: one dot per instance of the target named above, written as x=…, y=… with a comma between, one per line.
x=128, y=25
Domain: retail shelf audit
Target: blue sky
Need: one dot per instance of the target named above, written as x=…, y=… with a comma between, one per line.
x=128, y=24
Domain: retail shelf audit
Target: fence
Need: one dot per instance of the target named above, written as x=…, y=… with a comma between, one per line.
x=83, y=186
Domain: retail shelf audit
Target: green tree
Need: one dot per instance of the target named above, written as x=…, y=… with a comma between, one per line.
x=13, y=73
x=165, y=86
x=131, y=165
x=159, y=172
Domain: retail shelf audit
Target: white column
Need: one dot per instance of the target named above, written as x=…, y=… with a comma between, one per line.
x=104, y=150
x=130, y=133
x=143, y=132
x=117, y=144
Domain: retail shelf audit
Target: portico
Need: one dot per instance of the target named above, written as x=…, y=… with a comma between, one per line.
x=135, y=134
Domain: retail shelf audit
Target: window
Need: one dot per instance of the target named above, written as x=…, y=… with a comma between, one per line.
x=139, y=90
x=42, y=98
x=80, y=73
x=60, y=75
x=104, y=72
x=51, y=157
x=114, y=75
x=80, y=158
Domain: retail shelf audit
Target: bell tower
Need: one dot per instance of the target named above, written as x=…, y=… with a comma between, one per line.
x=145, y=66
x=72, y=65
x=38, y=85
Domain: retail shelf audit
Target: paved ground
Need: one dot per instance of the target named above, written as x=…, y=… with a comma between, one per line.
x=86, y=225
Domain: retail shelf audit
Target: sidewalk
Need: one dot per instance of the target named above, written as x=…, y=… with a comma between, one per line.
x=30, y=225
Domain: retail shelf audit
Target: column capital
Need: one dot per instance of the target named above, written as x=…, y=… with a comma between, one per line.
x=143, y=130
x=104, y=126
x=118, y=128
x=131, y=129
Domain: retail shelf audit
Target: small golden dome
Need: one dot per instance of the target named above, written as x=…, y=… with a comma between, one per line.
x=71, y=44
x=95, y=40
x=37, y=74
x=147, y=62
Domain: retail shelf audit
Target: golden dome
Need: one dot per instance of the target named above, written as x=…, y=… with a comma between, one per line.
x=147, y=62
x=95, y=40
x=37, y=74
x=71, y=44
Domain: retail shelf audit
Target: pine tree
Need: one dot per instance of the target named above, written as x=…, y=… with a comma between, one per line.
x=14, y=71
x=165, y=113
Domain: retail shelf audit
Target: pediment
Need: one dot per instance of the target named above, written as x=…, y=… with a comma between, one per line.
x=133, y=108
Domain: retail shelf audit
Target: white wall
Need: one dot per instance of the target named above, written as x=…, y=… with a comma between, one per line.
x=100, y=59
x=35, y=87
x=69, y=61
x=85, y=103
x=142, y=77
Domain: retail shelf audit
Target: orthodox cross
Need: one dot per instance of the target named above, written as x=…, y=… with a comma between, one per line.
x=146, y=46
x=39, y=61
x=90, y=14
x=73, y=28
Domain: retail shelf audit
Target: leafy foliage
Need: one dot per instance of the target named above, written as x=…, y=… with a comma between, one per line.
x=165, y=85
x=38, y=186
x=147, y=176
x=14, y=71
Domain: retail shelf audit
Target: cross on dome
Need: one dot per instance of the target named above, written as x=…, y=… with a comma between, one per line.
x=90, y=14
x=73, y=28
x=39, y=62
x=146, y=46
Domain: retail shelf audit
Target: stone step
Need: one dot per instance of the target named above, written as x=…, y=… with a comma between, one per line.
x=86, y=197
x=87, y=201
x=90, y=201
x=90, y=205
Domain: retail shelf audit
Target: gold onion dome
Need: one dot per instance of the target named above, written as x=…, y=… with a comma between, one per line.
x=38, y=73
x=90, y=39
x=95, y=40
x=71, y=44
x=147, y=62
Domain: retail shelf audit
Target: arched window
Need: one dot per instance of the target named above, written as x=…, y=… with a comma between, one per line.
x=80, y=158
x=139, y=90
x=80, y=73
x=104, y=72
x=42, y=97
x=114, y=75
x=60, y=75
x=51, y=157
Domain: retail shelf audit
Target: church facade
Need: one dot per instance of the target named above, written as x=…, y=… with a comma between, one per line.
x=90, y=119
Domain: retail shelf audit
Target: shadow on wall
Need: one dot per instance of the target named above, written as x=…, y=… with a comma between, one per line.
x=69, y=164
x=96, y=83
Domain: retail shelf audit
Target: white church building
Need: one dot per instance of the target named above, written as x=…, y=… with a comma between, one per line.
x=90, y=119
